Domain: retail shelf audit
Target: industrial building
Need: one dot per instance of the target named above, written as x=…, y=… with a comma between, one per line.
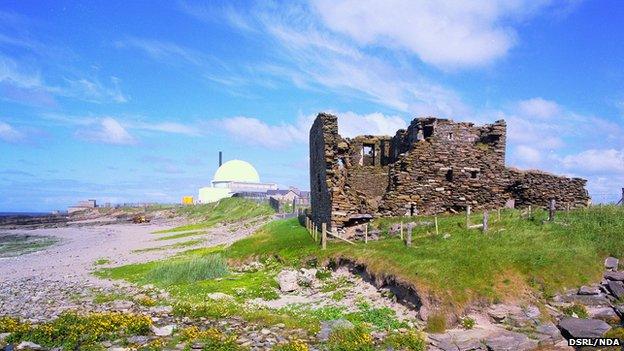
x=234, y=177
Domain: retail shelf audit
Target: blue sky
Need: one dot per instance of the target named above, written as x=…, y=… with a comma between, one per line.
x=131, y=101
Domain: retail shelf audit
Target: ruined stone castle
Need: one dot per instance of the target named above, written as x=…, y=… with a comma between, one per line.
x=436, y=165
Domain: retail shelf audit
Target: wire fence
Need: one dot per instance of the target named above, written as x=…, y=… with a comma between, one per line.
x=606, y=198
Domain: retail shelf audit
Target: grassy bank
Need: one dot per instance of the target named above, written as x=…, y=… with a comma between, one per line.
x=516, y=259
x=224, y=211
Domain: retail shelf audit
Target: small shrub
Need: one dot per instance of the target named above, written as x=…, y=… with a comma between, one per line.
x=146, y=301
x=339, y=295
x=410, y=341
x=295, y=345
x=577, y=310
x=351, y=339
x=467, y=323
x=154, y=345
x=323, y=274
x=615, y=333
x=12, y=325
x=382, y=318
x=213, y=339
x=436, y=323
x=209, y=309
x=188, y=271
x=101, y=261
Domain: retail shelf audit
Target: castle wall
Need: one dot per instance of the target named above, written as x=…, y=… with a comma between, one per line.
x=442, y=165
x=435, y=165
x=536, y=188
x=323, y=133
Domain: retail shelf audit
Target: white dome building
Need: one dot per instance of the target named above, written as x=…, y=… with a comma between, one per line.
x=234, y=177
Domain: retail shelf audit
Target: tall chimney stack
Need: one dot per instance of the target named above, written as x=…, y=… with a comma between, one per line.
x=220, y=158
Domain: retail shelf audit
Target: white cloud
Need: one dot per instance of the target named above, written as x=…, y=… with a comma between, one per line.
x=539, y=107
x=10, y=134
x=256, y=132
x=164, y=51
x=166, y=127
x=593, y=160
x=445, y=33
x=108, y=131
x=351, y=124
x=27, y=84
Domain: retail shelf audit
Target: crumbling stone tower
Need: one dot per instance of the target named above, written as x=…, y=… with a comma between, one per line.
x=434, y=166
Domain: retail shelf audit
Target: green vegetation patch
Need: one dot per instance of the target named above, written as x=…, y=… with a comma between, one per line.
x=73, y=331
x=188, y=271
x=182, y=235
x=101, y=261
x=351, y=339
x=406, y=341
x=466, y=264
x=223, y=211
x=172, y=246
x=15, y=245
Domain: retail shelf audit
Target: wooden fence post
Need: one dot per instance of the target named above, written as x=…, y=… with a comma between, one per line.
x=499, y=215
x=435, y=219
x=530, y=214
x=468, y=216
x=366, y=233
x=323, y=236
x=485, y=220
x=408, y=241
x=551, y=210
x=401, y=230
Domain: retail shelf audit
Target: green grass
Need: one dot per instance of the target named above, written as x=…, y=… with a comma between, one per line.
x=515, y=256
x=172, y=246
x=101, y=261
x=16, y=245
x=188, y=271
x=182, y=235
x=224, y=211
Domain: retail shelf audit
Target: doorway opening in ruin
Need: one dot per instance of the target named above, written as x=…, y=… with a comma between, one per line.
x=368, y=155
x=474, y=174
x=450, y=136
x=412, y=210
x=428, y=131
x=449, y=175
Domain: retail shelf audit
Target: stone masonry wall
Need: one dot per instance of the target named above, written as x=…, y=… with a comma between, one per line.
x=536, y=188
x=433, y=166
x=442, y=165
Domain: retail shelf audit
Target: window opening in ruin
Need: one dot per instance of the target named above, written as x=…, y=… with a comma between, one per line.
x=449, y=175
x=368, y=155
x=341, y=163
x=474, y=174
x=490, y=139
x=450, y=136
x=412, y=209
x=428, y=131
